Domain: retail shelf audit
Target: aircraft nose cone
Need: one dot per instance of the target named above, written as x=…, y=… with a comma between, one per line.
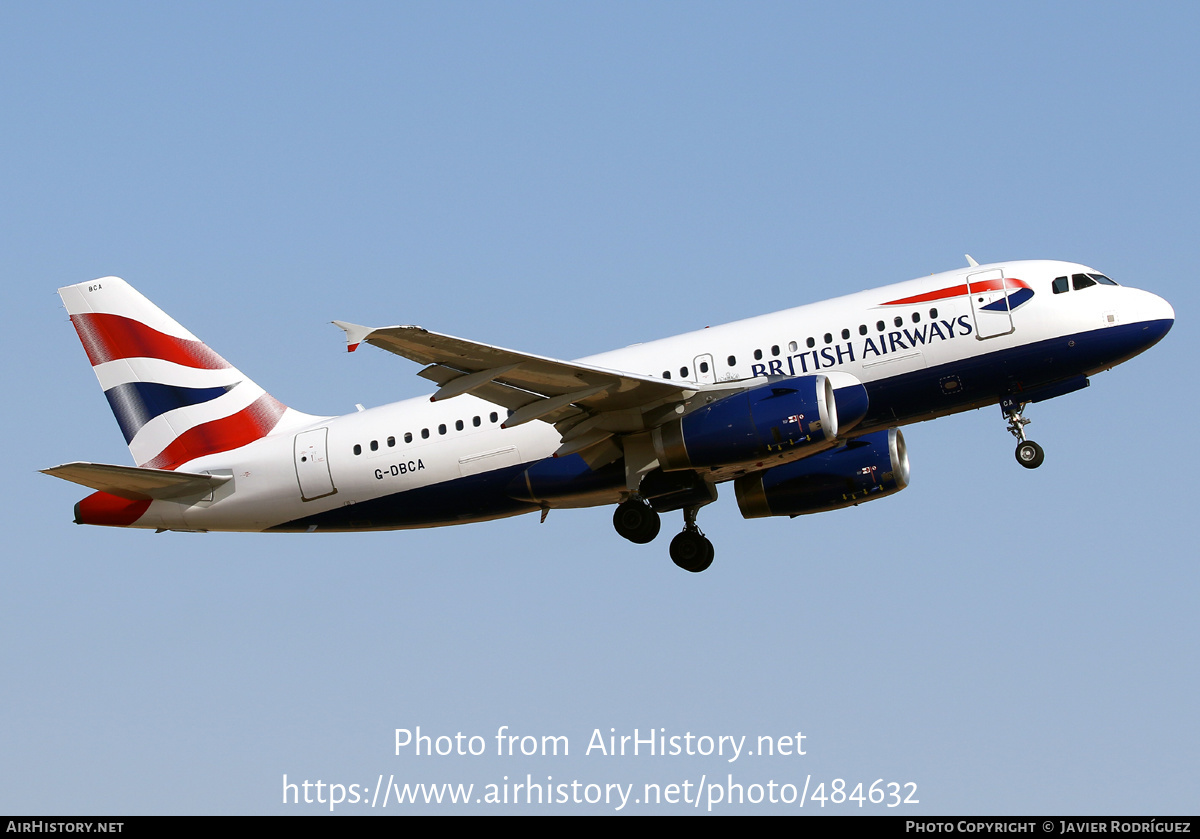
x=1157, y=317
x=1163, y=310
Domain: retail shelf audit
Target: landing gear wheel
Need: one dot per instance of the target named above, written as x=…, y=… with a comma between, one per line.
x=637, y=521
x=691, y=551
x=1030, y=454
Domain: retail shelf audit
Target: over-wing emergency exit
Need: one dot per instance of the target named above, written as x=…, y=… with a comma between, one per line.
x=801, y=409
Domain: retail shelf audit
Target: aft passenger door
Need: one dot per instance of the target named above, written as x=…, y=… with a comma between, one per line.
x=312, y=465
x=990, y=309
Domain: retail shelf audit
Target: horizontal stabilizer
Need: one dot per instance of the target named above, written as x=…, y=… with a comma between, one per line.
x=137, y=483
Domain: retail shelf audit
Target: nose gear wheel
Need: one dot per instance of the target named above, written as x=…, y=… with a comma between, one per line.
x=1029, y=454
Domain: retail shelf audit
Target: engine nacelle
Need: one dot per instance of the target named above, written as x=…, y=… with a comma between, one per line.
x=788, y=414
x=868, y=467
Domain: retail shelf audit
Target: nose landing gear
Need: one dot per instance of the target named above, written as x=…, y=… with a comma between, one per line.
x=1029, y=454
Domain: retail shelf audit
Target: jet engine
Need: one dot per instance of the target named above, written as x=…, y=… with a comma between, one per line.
x=790, y=414
x=868, y=467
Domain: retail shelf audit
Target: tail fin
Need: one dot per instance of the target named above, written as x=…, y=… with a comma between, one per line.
x=174, y=398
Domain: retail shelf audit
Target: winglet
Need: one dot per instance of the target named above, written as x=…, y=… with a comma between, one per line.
x=355, y=334
x=971, y=261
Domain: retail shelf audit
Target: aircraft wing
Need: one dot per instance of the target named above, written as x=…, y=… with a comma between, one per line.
x=137, y=483
x=588, y=404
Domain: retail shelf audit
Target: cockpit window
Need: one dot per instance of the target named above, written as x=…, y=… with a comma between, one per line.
x=1060, y=285
x=1081, y=281
x=1100, y=278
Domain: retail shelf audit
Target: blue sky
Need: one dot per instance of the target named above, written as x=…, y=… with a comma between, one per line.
x=565, y=179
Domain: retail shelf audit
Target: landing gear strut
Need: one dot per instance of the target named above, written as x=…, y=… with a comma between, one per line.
x=1029, y=454
x=691, y=550
x=637, y=521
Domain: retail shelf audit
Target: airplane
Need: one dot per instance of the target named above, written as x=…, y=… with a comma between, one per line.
x=801, y=409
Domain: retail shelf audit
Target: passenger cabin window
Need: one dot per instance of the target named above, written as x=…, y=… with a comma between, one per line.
x=475, y=421
x=899, y=321
x=442, y=428
x=493, y=416
x=933, y=313
x=1060, y=285
x=683, y=372
x=424, y=433
x=775, y=350
x=828, y=338
x=703, y=366
x=458, y=425
x=810, y=343
x=862, y=330
x=391, y=442
x=880, y=325
x=666, y=374
x=374, y=445
x=758, y=355
x=732, y=361
x=357, y=448
x=845, y=334
x=408, y=436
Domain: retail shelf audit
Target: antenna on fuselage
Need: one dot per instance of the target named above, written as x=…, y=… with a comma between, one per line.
x=971, y=261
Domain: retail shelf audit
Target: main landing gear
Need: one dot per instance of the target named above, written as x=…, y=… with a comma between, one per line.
x=1029, y=454
x=638, y=522
x=690, y=549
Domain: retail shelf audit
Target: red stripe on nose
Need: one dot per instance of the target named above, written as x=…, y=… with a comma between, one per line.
x=959, y=290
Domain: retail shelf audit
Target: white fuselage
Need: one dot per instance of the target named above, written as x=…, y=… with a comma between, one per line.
x=907, y=353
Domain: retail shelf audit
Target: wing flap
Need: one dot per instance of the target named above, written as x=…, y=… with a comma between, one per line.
x=137, y=483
